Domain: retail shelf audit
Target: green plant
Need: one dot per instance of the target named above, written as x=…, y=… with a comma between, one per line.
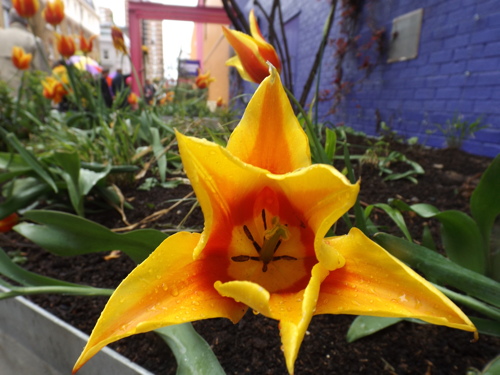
x=28, y=178
x=471, y=244
x=458, y=129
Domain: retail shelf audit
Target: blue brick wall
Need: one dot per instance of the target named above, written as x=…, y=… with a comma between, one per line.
x=457, y=70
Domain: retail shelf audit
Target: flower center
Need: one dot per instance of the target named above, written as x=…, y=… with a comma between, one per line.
x=271, y=241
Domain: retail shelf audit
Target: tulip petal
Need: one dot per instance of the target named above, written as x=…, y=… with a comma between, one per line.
x=220, y=181
x=266, y=50
x=293, y=310
x=269, y=135
x=373, y=282
x=236, y=62
x=248, y=51
x=323, y=194
x=167, y=288
x=249, y=293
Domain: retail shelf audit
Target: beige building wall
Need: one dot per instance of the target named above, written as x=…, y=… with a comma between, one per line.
x=80, y=15
x=152, y=37
x=215, y=53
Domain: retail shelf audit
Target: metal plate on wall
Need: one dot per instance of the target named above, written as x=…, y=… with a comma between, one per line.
x=405, y=36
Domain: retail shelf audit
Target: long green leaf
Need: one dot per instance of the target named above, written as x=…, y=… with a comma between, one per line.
x=367, y=325
x=487, y=327
x=396, y=216
x=194, y=356
x=33, y=283
x=30, y=159
x=66, y=234
x=161, y=158
x=25, y=192
x=330, y=143
x=493, y=367
x=461, y=237
x=462, y=240
x=485, y=200
x=441, y=269
x=69, y=164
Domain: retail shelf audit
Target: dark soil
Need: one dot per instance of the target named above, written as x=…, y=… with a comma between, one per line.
x=253, y=345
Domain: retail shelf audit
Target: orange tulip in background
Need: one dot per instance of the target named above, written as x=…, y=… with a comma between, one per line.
x=65, y=45
x=8, y=222
x=26, y=8
x=252, y=52
x=132, y=99
x=54, y=12
x=86, y=44
x=21, y=59
x=203, y=80
x=219, y=102
x=53, y=89
x=118, y=41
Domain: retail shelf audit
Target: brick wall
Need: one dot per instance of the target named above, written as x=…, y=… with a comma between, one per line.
x=456, y=72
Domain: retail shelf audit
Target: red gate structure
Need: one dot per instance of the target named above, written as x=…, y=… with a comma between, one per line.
x=139, y=10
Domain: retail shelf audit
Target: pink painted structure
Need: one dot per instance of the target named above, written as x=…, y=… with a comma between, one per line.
x=139, y=10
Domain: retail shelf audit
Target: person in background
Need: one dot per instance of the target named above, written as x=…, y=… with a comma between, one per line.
x=149, y=91
x=118, y=83
x=18, y=35
x=105, y=89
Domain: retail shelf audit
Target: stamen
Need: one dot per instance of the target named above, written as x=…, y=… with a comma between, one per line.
x=264, y=219
x=284, y=257
x=250, y=237
x=240, y=258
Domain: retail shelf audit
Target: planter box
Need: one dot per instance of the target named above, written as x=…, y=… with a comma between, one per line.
x=33, y=341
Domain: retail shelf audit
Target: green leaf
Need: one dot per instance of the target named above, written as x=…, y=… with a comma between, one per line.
x=396, y=216
x=88, y=179
x=36, y=284
x=193, y=354
x=441, y=269
x=70, y=172
x=486, y=327
x=461, y=237
x=366, y=325
x=462, y=240
x=65, y=234
x=427, y=239
x=25, y=191
x=330, y=143
x=493, y=367
x=159, y=153
x=30, y=159
x=485, y=200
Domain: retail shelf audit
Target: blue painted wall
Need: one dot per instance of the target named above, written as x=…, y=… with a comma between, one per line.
x=456, y=72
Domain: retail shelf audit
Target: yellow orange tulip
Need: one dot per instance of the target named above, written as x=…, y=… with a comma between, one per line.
x=203, y=80
x=53, y=89
x=21, y=59
x=26, y=8
x=86, y=45
x=132, y=99
x=267, y=210
x=54, y=12
x=118, y=40
x=65, y=45
x=252, y=52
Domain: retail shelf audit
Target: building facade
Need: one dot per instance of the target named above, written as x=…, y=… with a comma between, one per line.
x=80, y=17
x=411, y=66
x=152, y=39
